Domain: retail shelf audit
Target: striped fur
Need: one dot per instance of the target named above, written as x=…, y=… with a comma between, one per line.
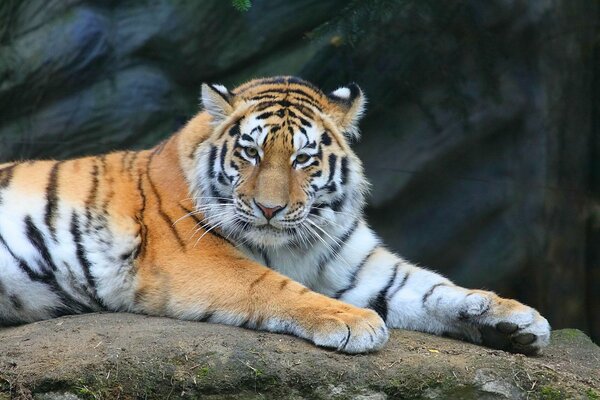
x=250, y=215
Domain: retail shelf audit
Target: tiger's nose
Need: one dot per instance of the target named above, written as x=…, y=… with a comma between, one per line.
x=269, y=212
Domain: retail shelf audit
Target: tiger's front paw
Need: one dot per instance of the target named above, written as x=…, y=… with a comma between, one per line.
x=349, y=330
x=506, y=324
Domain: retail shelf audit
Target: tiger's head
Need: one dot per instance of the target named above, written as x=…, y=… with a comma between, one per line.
x=277, y=168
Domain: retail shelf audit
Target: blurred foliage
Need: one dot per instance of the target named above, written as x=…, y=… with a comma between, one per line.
x=241, y=5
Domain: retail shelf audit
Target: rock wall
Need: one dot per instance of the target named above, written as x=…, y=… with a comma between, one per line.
x=481, y=139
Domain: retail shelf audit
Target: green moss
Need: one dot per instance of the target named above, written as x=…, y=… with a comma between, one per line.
x=568, y=334
x=413, y=386
x=85, y=392
x=591, y=394
x=550, y=393
x=202, y=372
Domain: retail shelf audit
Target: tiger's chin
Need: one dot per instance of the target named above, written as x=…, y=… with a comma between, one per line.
x=267, y=236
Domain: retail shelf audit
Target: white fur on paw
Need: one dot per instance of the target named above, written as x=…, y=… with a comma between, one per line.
x=506, y=324
x=475, y=305
x=358, y=336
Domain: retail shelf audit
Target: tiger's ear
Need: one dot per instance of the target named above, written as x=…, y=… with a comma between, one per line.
x=350, y=105
x=217, y=100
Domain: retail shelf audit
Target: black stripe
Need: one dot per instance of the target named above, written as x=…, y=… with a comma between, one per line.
x=161, y=212
x=338, y=203
x=402, y=283
x=302, y=110
x=307, y=111
x=380, y=302
x=339, y=245
x=301, y=96
x=132, y=161
x=212, y=158
x=247, y=137
x=325, y=139
x=85, y=264
x=140, y=217
x=37, y=239
x=265, y=96
x=246, y=323
x=235, y=130
x=91, y=200
x=259, y=279
x=347, y=339
x=315, y=211
x=124, y=156
x=52, y=199
x=223, y=155
x=70, y=305
x=267, y=104
x=354, y=278
x=332, y=161
x=107, y=183
x=264, y=115
x=214, y=192
x=222, y=179
x=464, y=315
x=6, y=175
x=34, y=276
x=431, y=290
x=206, y=317
x=344, y=170
x=16, y=302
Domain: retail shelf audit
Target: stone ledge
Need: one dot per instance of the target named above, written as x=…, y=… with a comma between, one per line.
x=103, y=356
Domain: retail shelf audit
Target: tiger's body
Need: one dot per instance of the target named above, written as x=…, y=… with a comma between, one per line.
x=250, y=215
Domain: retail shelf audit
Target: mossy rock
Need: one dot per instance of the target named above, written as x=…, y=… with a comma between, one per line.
x=104, y=356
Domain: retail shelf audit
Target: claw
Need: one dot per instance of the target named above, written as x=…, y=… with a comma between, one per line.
x=506, y=327
x=524, y=339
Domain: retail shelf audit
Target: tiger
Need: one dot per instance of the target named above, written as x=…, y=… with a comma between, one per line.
x=252, y=215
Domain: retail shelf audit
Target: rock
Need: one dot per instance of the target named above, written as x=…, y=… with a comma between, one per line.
x=131, y=356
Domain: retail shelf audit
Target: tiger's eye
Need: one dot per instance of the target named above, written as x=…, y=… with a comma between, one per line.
x=302, y=158
x=251, y=152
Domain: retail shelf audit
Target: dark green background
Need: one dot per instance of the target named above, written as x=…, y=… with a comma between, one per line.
x=481, y=138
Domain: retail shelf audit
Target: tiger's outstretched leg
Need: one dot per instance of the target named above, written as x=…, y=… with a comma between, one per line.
x=476, y=315
x=236, y=291
x=414, y=298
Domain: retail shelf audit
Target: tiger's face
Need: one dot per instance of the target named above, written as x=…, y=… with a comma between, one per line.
x=277, y=169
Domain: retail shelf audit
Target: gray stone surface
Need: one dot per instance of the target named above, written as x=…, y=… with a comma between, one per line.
x=106, y=356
